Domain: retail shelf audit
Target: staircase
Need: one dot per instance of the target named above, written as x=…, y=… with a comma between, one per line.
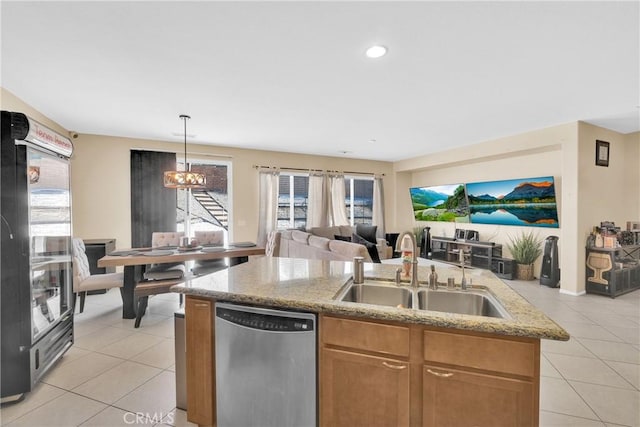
x=212, y=206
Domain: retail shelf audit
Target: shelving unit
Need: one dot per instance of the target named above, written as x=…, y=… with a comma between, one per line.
x=477, y=254
x=612, y=271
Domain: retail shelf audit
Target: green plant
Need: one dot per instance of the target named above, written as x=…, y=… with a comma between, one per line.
x=525, y=248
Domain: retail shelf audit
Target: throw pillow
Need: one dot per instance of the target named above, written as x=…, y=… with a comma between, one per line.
x=367, y=232
x=343, y=238
x=371, y=247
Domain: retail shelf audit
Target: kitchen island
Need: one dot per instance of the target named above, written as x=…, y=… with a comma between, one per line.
x=383, y=364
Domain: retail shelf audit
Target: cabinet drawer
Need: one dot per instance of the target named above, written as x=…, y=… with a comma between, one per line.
x=511, y=357
x=368, y=336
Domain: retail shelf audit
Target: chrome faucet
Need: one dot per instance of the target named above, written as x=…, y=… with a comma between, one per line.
x=414, y=260
x=463, y=282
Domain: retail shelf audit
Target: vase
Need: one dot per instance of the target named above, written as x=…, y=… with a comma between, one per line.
x=524, y=271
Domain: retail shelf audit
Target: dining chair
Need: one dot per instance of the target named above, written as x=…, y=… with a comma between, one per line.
x=165, y=271
x=158, y=278
x=83, y=280
x=209, y=238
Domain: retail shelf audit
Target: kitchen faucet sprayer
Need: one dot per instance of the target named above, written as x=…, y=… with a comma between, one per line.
x=414, y=256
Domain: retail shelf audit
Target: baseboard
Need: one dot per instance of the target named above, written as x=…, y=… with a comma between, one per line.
x=574, y=294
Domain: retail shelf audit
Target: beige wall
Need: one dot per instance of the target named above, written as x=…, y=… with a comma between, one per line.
x=537, y=153
x=587, y=194
x=100, y=178
x=101, y=198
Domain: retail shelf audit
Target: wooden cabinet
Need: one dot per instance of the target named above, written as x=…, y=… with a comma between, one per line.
x=386, y=373
x=360, y=389
x=364, y=373
x=453, y=397
x=479, y=380
x=201, y=396
x=378, y=373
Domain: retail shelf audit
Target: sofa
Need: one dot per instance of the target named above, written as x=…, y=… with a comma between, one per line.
x=300, y=244
x=366, y=232
x=329, y=243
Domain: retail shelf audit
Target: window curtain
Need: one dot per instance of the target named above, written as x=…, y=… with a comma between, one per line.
x=153, y=207
x=268, y=204
x=317, y=209
x=337, y=198
x=378, y=207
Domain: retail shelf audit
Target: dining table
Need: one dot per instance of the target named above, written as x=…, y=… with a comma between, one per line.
x=135, y=260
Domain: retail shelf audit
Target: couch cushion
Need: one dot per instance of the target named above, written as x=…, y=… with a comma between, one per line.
x=349, y=250
x=327, y=232
x=371, y=247
x=346, y=230
x=367, y=232
x=300, y=236
x=319, y=242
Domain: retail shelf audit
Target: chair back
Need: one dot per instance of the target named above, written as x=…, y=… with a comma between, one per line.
x=166, y=238
x=80, y=263
x=215, y=237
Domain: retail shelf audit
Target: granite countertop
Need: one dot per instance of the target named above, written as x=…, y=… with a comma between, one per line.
x=311, y=285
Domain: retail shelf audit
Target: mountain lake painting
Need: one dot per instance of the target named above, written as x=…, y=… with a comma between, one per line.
x=527, y=202
x=440, y=203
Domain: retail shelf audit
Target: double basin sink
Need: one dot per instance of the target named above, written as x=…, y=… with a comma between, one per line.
x=475, y=301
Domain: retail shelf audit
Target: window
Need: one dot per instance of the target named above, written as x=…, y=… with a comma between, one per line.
x=293, y=195
x=210, y=208
x=359, y=200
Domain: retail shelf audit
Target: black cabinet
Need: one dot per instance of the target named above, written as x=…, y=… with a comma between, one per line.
x=476, y=254
x=96, y=249
x=612, y=271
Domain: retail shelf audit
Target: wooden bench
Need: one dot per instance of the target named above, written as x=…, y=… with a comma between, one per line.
x=145, y=288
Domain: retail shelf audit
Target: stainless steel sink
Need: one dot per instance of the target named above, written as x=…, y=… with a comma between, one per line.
x=476, y=302
x=378, y=294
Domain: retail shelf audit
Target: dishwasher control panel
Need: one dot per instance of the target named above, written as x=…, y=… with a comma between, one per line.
x=266, y=322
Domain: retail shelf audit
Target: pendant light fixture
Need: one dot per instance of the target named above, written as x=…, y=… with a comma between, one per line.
x=184, y=179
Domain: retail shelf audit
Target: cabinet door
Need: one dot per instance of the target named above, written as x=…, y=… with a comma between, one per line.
x=362, y=390
x=458, y=398
x=200, y=376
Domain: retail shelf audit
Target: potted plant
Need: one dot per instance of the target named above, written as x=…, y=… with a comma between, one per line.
x=525, y=250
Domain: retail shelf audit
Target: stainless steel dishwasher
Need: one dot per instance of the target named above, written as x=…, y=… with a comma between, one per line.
x=265, y=367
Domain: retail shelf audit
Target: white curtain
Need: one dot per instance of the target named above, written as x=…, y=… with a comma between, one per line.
x=378, y=207
x=337, y=197
x=268, y=204
x=318, y=201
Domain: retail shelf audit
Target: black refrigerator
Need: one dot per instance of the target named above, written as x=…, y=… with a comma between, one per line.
x=35, y=256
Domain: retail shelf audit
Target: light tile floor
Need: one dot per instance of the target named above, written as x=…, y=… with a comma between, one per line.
x=116, y=375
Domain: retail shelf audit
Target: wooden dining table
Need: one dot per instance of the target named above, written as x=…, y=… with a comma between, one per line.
x=135, y=260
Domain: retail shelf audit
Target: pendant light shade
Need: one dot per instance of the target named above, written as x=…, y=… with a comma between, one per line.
x=184, y=179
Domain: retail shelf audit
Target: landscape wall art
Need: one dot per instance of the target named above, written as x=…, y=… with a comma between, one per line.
x=440, y=203
x=525, y=202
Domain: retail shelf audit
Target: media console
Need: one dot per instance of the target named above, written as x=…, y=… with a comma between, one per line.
x=487, y=255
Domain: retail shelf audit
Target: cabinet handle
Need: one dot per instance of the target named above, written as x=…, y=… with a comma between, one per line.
x=398, y=367
x=202, y=304
x=440, y=374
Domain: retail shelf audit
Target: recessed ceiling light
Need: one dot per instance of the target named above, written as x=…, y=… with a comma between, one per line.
x=376, y=51
x=372, y=141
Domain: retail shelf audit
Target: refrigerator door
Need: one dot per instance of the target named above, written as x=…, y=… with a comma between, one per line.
x=49, y=214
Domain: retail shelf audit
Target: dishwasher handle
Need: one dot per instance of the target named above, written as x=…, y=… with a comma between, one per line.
x=265, y=322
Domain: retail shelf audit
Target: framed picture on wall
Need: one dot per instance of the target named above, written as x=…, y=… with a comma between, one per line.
x=602, y=153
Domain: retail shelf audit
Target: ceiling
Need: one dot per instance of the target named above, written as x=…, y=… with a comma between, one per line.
x=292, y=76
